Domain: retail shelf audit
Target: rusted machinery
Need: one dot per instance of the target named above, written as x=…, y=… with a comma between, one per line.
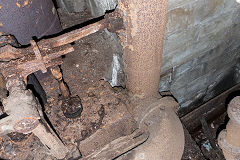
x=141, y=30
x=142, y=42
x=17, y=64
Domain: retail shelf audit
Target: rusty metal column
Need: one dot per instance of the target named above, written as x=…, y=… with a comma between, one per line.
x=142, y=42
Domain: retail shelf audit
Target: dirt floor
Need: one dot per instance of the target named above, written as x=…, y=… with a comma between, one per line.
x=83, y=71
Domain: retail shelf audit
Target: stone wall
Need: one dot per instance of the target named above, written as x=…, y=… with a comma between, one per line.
x=201, y=50
x=99, y=7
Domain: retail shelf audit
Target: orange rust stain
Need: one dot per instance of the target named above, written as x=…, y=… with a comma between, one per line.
x=1, y=24
x=18, y=4
x=0, y=7
x=25, y=3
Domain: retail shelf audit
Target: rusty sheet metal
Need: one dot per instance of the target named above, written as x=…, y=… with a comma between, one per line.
x=142, y=42
x=28, y=18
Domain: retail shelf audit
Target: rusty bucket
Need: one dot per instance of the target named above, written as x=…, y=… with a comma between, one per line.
x=28, y=18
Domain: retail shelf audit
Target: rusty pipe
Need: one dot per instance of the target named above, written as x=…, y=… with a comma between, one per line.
x=74, y=35
x=112, y=21
x=143, y=44
x=229, y=139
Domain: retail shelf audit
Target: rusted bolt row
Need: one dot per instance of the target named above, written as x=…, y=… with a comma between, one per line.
x=229, y=139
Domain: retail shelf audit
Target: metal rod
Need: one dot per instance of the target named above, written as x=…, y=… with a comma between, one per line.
x=74, y=35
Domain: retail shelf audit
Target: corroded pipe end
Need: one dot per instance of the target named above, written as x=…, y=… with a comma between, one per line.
x=230, y=152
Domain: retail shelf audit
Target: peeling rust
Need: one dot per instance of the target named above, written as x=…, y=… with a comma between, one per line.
x=142, y=43
x=114, y=21
x=27, y=18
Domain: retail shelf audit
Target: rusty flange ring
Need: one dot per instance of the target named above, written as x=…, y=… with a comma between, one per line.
x=225, y=145
x=26, y=125
x=234, y=109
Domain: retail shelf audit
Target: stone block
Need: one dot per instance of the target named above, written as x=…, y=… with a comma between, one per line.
x=179, y=19
x=72, y=5
x=99, y=7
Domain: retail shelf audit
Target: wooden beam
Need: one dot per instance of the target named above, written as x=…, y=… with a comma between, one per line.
x=211, y=109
